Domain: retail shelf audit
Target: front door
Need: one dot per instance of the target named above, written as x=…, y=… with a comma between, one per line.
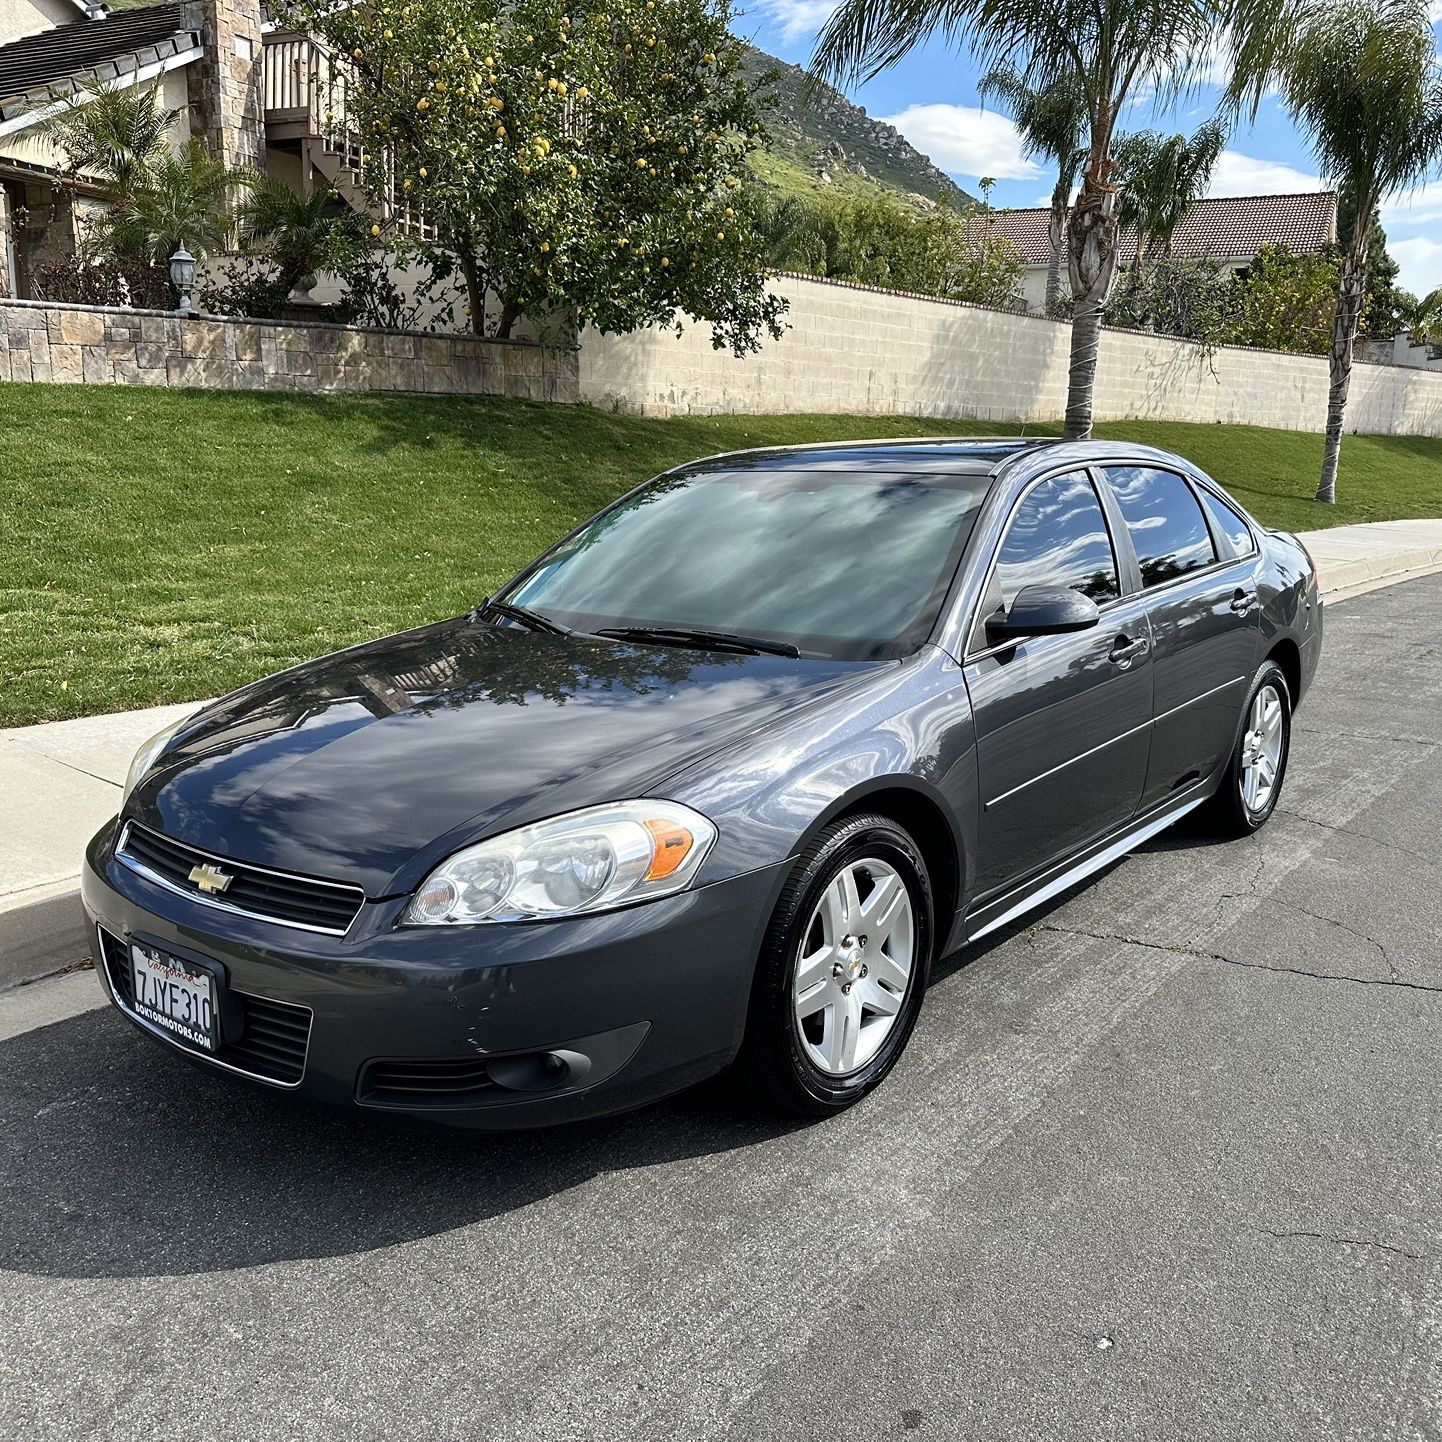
x=1062, y=722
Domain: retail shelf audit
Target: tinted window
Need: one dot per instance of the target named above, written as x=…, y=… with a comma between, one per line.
x=1058, y=537
x=846, y=564
x=1233, y=530
x=1166, y=524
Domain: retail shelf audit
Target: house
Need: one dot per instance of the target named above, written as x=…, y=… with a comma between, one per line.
x=1230, y=230
x=247, y=88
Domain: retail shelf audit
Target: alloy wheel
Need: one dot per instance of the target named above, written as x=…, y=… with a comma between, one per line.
x=1262, y=749
x=854, y=966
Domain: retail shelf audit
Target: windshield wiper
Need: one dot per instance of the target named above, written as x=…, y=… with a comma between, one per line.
x=701, y=639
x=531, y=620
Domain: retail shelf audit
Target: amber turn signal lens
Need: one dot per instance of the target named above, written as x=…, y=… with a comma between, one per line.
x=673, y=843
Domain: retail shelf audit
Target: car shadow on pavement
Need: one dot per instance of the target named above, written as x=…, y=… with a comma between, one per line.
x=119, y=1160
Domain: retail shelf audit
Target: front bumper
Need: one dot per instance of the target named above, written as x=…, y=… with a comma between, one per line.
x=543, y=1021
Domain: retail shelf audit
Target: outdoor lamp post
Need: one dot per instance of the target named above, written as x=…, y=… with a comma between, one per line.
x=182, y=276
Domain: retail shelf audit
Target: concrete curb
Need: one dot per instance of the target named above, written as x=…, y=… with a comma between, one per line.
x=42, y=929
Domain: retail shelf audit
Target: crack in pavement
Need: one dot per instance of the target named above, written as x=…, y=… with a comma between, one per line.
x=71, y=766
x=1367, y=736
x=1342, y=1241
x=1360, y=835
x=1234, y=961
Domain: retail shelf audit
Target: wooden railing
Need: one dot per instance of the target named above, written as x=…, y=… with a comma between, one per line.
x=306, y=86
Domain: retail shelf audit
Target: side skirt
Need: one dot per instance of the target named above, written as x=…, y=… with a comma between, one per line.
x=1041, y=889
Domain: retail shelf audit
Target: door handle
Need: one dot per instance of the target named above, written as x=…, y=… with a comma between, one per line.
x=1124, y=650
x=1243, y=601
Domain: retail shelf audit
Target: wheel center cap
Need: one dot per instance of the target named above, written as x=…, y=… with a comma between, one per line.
x=850, y=965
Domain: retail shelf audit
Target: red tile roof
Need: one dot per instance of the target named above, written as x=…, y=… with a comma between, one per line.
x=1233, y=227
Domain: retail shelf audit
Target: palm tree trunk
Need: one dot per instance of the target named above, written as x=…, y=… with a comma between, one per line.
x=1351, y=291
x=1056, y=232
x=1092, y=263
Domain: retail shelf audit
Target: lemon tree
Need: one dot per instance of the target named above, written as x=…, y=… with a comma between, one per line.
x=579, y=164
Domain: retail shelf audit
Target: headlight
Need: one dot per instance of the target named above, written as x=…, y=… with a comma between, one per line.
x=591, y=860
x=147, y=756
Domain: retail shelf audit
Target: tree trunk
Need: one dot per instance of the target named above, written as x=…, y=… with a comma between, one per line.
x=475, y=286
x=1056, y=232
x=1351, y=292
x=1092, y=264
x=510, y=314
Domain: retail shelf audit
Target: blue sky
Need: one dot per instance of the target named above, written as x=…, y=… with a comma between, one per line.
x=931, y=98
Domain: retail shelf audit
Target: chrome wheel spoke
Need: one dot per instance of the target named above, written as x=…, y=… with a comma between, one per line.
x=888, y=972
x=841, y=1033
x=880, y=908
x=875, y=997
x=812, y=973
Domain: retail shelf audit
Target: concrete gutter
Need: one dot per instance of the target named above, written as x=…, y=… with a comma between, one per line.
x=61, y=781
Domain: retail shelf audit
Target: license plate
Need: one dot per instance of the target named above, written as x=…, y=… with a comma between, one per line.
x=173, y=994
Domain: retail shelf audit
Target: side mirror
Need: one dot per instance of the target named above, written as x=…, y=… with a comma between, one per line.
x=1043, y=611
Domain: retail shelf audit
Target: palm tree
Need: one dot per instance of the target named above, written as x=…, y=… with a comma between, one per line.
x=1050, y=119
x=1107, y=48
x=1160, y=178
x=184, y=199
x=1362, y=77
x=302, y=234
x=116, y=134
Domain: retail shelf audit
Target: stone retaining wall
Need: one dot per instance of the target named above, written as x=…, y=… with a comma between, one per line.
x=40, y=341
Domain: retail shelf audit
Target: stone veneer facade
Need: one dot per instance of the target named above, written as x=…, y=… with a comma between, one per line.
x=45, y=342
x=226, y=85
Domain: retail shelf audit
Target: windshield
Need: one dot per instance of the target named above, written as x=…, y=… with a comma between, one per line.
x=848, y=565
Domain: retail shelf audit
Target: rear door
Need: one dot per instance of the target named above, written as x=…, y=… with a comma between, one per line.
x=1199, y=564
x=1062, y=722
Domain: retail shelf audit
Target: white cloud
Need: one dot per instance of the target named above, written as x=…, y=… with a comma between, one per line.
x=1238, y=174
x=798, y=19
x=967, y=140
x=1419, y=263
x=1422, y=206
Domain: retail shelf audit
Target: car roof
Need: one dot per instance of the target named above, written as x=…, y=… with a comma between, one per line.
x=931, y=455
x=940, y=455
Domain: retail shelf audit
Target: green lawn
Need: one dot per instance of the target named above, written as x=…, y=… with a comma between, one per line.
x=161, y=546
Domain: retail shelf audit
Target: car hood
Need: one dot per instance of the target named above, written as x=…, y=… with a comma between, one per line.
x=372, y=764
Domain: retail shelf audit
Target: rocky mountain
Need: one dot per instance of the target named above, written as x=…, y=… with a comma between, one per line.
x=820, y=133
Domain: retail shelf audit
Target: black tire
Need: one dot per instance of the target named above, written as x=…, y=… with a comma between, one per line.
x=773, y=1060
x=1227, y=813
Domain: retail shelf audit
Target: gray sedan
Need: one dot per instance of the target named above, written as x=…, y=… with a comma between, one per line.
x=710, y=784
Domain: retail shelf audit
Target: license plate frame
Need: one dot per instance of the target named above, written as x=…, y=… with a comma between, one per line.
x=177, y=996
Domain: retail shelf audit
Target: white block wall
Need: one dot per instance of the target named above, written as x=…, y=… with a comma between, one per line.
x=862, y=351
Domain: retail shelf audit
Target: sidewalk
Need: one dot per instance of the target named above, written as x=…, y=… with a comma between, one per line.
x=62, y=780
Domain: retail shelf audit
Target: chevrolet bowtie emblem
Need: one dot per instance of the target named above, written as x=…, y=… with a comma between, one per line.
x=210, y=878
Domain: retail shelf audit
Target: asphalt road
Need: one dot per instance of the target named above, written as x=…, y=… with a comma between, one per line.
x=1162, y=1163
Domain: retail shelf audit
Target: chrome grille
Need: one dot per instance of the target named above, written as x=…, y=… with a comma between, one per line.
x=280, y=896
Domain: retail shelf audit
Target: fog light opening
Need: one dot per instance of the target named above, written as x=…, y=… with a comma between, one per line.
x=540, y=1071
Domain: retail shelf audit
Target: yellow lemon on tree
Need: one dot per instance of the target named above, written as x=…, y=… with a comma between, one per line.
x=375, y=230
x=423, y=104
